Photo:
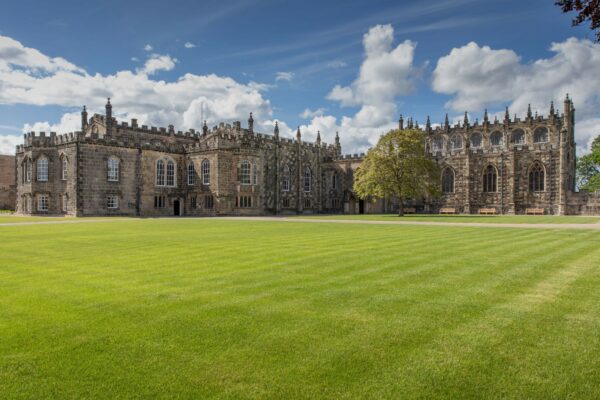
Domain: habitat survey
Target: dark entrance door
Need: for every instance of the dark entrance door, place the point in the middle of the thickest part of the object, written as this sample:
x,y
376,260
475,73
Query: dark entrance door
x,y
176,208
361,206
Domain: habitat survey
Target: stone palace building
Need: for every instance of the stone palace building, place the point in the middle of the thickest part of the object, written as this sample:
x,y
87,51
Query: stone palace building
x,y
120,168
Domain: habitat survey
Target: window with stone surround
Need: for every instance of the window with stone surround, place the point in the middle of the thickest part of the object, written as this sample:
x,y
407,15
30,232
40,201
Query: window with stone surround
x,y
191,175
42,169
490,179
244,202
160,173
245,170
456,142
112,202
208,202
65,202
206,172
65,168
42,203
518,136
254,174
285,181
437,144
113,169
193,202
307,179
476,140
496,138
448,180
170,173
29,167
540,135
286,202
536,177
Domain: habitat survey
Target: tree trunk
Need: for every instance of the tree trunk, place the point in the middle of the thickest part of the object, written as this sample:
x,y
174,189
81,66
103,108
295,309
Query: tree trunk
x,y
400,207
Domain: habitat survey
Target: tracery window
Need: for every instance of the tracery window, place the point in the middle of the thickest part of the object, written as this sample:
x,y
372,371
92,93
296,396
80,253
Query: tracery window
x,y
29,167
536,177
496,139
456,142
518,136
540,135
285,182
448,180
437,144
476,140
307,179
334,180
42,169
42,202
490,179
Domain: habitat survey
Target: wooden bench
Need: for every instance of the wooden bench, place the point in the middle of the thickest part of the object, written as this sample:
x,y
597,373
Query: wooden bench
x,y
447,210
487,211
534,211
410,210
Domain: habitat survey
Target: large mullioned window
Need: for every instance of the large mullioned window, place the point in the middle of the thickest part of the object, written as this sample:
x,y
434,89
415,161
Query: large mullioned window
x,y
160,173
496,139
307,179
285,181
540,135
113,169
65,169
170,173
490,179
206,172
456,142
245,170
448,180
536,178
42,169
476,140
191,175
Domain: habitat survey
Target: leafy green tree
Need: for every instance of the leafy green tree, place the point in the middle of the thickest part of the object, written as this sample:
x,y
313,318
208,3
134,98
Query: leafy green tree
x,y
588,168
398,167
586,10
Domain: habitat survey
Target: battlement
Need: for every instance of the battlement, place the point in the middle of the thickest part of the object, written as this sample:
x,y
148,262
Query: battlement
x,y
354,156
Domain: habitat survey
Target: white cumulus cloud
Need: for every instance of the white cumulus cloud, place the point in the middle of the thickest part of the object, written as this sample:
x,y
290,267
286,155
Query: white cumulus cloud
x,y
148,48
479,76
308,113
189,45
158,62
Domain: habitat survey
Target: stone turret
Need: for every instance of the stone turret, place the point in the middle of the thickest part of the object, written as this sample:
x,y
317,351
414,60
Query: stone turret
x,y
446,123
428,124
109,118
84,119
506,117
276,130
298,135
251,124
486,119
204,128
401,123
338,146
466,120
318,141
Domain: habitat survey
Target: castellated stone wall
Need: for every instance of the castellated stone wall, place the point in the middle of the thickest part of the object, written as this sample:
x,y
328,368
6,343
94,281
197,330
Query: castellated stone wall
x,y
230,170
8,183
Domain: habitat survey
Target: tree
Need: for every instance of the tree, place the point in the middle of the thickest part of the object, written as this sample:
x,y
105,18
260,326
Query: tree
x,y
398,167
588,168
586,9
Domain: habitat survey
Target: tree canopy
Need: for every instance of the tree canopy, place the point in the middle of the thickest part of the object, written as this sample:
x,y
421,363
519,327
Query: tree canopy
x,y
398,167
586,10
588,168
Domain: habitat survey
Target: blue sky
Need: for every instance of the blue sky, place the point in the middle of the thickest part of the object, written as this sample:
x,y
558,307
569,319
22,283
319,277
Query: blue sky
x,y
312,46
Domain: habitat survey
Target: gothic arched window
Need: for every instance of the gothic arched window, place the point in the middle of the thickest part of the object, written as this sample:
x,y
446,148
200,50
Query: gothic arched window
x,y
307,179
254,174
285,182
65,169
437,144
540,135
457,142
160,173
448,180
496,138
536,177
518,136
206,172
42,169
476,140
490,179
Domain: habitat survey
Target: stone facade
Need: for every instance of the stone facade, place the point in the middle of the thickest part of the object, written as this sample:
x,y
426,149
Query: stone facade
x,y
112,168
8,183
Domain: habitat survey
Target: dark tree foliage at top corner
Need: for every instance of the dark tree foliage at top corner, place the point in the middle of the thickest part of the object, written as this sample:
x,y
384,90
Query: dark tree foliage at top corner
x,y
587,10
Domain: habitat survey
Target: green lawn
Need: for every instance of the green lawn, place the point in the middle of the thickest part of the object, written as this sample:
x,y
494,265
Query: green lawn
x,y
208,308
499,219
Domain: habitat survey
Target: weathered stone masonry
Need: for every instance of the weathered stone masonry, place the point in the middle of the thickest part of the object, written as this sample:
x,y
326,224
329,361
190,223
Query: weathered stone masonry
x,y
112,168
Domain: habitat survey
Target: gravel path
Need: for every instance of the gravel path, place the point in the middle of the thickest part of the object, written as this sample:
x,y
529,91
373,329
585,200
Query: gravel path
x,y
595,226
